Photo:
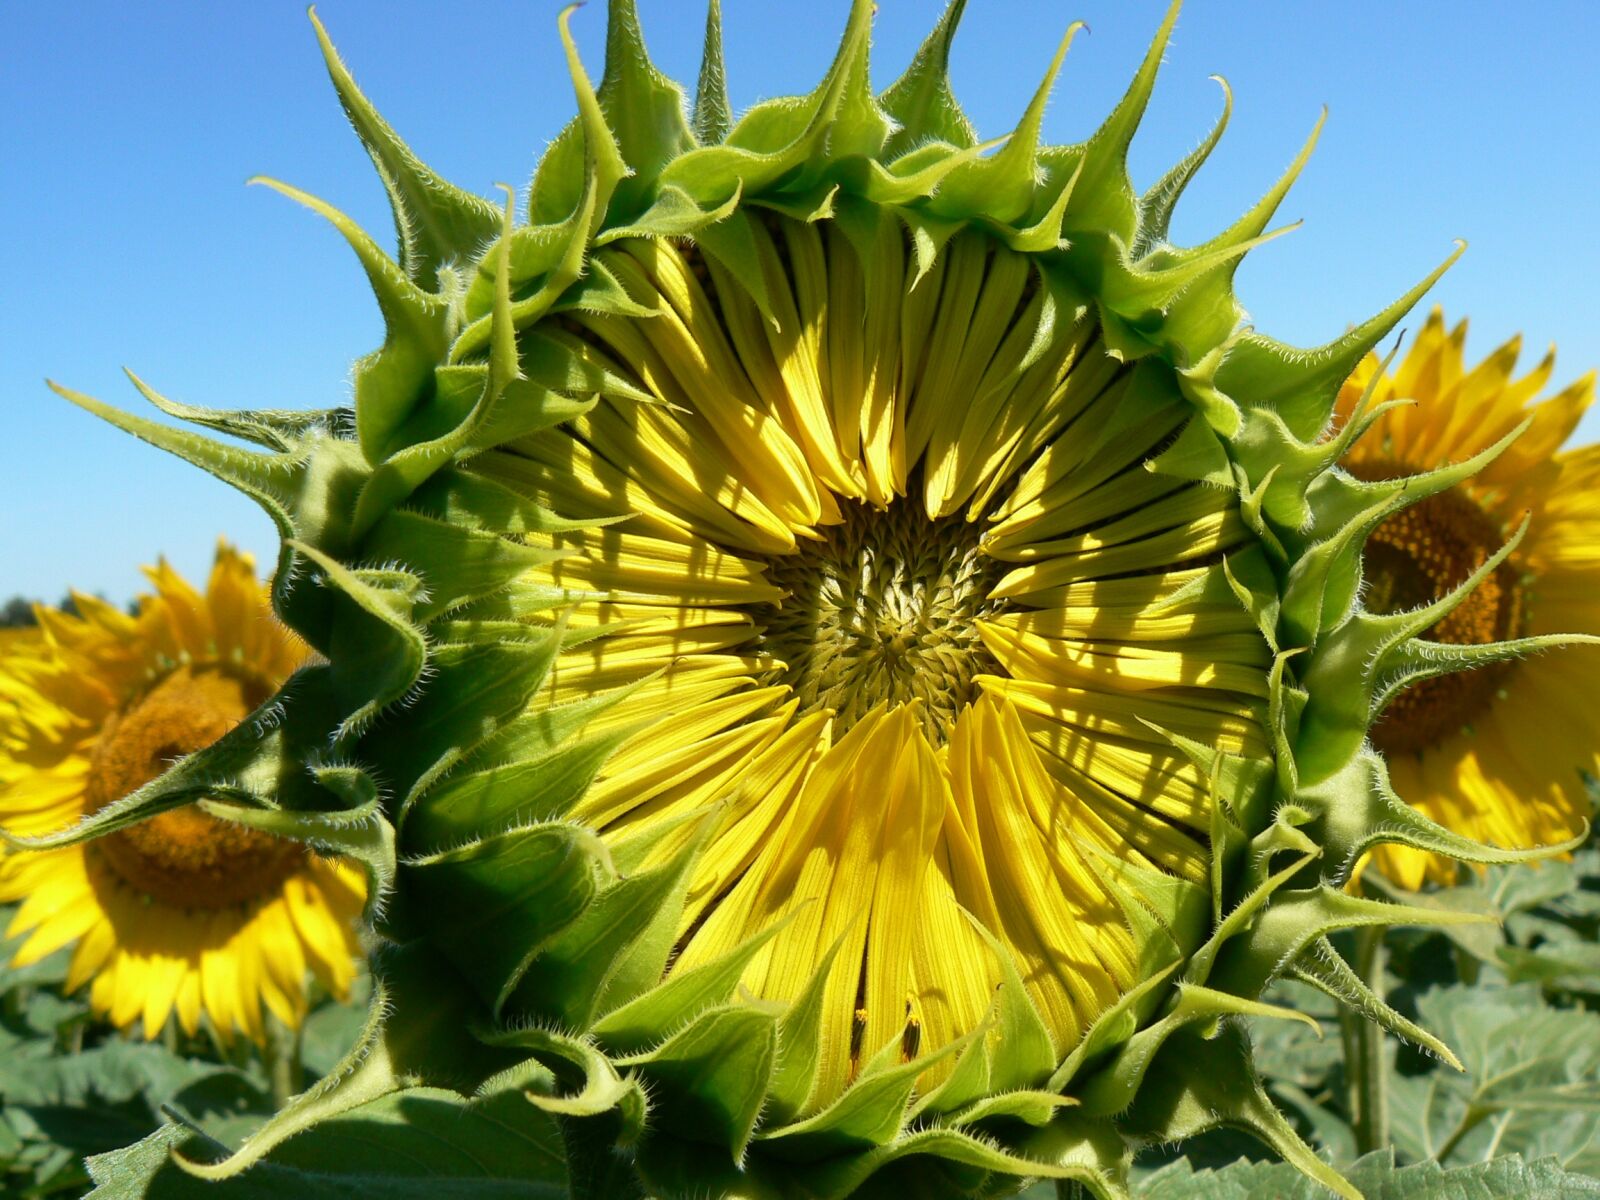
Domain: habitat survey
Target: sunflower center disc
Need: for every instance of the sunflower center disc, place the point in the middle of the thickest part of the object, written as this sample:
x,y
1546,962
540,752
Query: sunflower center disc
x,y
1415,557
883,609
185,857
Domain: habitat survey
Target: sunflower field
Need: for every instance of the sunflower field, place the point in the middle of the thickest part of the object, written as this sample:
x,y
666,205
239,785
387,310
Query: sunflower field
x,y
824,656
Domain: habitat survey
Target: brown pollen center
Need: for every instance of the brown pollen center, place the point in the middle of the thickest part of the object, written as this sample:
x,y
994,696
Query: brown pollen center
x,y
1412,559
184,857
883,609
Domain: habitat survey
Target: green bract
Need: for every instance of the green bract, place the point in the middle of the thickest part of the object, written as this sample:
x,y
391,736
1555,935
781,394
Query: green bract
x,y
528,965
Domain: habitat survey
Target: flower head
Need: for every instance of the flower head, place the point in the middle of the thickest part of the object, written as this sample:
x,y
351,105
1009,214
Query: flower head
x,y
924,650
185,913
1500,754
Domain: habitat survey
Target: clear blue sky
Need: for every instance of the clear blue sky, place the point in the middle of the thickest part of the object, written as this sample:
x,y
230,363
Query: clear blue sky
x,y
127,131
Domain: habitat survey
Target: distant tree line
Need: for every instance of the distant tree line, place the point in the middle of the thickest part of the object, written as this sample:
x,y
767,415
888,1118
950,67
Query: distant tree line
x,y
18,610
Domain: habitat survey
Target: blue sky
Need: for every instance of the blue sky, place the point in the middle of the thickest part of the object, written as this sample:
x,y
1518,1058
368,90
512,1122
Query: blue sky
x,y
127,132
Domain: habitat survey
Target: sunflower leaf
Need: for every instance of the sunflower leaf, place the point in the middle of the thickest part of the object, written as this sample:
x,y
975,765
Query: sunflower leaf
x,y
455,565
717,1069
711,113
422,1143
921,100
541,787
1531,1086
437,222
686,994
1378,1178
492,904
474,692
416,1028
642,106
615,949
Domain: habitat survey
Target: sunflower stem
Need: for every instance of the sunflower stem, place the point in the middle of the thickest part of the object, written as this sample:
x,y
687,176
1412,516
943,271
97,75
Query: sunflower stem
x,y
593,1166
220,1048
1470,1120
282,1053
1366,1073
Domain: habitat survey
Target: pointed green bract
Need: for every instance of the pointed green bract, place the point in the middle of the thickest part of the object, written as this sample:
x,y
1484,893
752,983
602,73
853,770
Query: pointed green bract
x,y
531,962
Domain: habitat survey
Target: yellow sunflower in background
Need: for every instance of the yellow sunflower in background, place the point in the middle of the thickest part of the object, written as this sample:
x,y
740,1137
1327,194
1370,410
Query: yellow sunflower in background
x,y
183,913
1500,754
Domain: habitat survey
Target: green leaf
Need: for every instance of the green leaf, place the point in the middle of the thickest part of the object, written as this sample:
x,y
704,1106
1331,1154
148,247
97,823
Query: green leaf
x,y
779,140
869,1113
417,1028
437,222
474,693
716,1070
1483,941
275,428
228,1105
1156,205
539,788
377,653
711,114
1304,1071
1021,1054
422,1143
455,565
1377,1178
1103,198
1532,1081
103,1093
800,1043
1569,968
1002,187
684,996
599,1089
921,100
1522,889
397,379
491,905
643,108
1552,917
265,478
617,949
1198,1083
472,501
333,1029
1301,385
359,832
946,1149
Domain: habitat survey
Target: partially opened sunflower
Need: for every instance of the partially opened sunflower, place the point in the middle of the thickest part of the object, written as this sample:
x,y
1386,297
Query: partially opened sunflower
x,y
1503,754
183,914
843,660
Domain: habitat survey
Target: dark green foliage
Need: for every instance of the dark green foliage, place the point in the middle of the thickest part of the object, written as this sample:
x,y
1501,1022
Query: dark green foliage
x,y
16,613
71,1087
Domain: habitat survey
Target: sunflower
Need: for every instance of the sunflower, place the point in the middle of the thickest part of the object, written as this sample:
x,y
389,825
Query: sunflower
x,y
924,653
844,661
1500,754
184,913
